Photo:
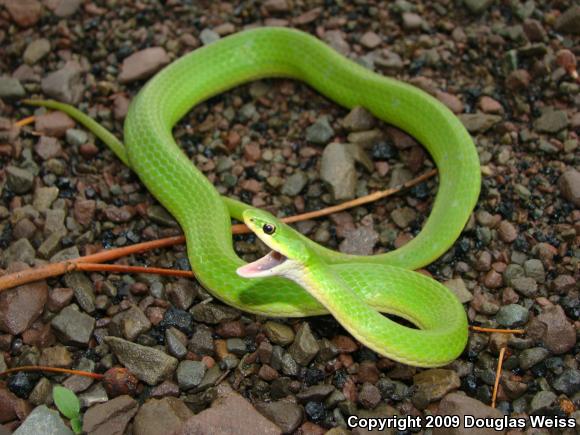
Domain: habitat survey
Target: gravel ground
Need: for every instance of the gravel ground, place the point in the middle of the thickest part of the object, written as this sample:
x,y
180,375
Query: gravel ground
x,y
505,68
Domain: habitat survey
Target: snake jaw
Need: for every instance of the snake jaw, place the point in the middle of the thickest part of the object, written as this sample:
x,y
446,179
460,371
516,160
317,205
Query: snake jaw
x,y
266,266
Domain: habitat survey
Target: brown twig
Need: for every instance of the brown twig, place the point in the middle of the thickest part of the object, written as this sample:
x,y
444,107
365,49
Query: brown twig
x,y
243,229
56,269
113,254
25,121
497,376
97,267
52,370
501,331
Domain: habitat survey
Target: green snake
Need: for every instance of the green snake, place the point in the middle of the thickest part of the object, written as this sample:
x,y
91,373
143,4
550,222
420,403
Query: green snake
x,y
353,288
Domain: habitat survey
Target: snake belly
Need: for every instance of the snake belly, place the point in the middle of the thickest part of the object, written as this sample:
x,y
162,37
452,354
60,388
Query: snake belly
x,y
386,282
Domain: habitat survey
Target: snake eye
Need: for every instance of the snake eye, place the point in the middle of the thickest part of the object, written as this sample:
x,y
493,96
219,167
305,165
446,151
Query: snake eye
x,y
269,229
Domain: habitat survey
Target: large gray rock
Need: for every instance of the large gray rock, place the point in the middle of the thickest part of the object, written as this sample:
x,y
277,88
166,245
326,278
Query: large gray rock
x,y
305,347
11,88
337,168
83,289
43,421
551,121
190,374
320,132
287,415
73,327
19,180
146,363
130,323
20,251
64,84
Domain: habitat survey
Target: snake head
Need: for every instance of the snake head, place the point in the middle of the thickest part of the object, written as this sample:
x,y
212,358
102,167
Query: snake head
x,y
288,254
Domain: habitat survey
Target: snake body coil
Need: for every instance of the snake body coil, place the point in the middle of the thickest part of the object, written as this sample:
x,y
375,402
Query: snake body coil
x,y
205,217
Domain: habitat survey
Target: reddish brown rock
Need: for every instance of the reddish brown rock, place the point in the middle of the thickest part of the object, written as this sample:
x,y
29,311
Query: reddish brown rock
x,y
307,17
563,283
143,64
489,105
518,80
160,416
229,415
84,211
309,428
63,8
276,6
53,124
368,372
483,263
553,328
268,373
492,280
58,298
344,344
370,40
11,407
369,396
507,232
165,389
88,150
399,138
48,147
22,305
25,13
451,101
231,329
252,151
110,418
40,335
120,106
120,214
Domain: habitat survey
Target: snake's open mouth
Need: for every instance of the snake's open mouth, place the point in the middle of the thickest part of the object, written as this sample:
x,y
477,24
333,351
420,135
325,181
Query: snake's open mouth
x,y
263,266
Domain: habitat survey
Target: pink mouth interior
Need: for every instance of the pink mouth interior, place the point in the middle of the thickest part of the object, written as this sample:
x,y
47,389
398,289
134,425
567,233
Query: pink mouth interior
x,y
258,267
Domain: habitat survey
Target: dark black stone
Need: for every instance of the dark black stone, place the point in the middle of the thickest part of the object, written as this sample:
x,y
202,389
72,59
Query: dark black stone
x,y
340,378
383,150
313,376
22,383
469,384
179,319
315,411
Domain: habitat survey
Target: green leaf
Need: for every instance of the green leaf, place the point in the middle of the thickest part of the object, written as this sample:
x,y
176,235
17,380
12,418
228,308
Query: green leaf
x,y
66,401
76,425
